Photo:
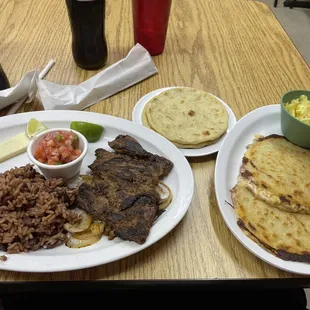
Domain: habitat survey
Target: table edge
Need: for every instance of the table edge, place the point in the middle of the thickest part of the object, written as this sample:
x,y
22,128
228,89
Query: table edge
x,y
13,287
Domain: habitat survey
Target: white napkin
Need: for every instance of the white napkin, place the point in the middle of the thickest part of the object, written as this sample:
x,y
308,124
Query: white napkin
x,y
27,86
135,67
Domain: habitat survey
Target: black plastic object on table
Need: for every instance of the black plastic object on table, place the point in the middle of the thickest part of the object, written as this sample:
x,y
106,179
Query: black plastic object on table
x,y
87,22
4,82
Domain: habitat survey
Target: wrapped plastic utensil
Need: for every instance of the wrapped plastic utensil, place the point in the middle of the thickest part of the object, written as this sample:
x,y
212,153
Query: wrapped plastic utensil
x,y
26,87
135,67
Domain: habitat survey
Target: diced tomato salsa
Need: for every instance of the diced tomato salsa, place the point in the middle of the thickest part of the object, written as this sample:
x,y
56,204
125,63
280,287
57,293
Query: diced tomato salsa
x,y
58,148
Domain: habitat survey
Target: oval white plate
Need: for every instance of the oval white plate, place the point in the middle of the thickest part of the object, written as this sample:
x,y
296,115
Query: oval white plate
x,y
63,258
264,121
207,150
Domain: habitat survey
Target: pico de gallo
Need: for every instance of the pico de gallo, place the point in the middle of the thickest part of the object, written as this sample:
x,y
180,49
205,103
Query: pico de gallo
x,y
58,148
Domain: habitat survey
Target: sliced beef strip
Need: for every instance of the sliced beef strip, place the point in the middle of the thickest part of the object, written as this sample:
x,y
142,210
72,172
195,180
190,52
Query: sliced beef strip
x,y
123,169
130,221
92,202
135,222
129,146
123,192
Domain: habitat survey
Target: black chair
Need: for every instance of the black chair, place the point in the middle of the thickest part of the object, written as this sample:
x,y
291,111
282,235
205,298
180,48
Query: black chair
x,y
296,4
275,3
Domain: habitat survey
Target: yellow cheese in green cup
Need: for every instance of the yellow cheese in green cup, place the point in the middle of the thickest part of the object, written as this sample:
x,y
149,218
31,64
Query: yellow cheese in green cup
x,y
299,108
294,125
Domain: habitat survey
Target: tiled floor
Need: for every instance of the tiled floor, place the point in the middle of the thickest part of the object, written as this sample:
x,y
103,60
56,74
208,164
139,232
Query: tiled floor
x,y
296,22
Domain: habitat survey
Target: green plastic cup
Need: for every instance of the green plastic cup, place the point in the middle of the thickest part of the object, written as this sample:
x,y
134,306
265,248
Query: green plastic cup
x,y
292,128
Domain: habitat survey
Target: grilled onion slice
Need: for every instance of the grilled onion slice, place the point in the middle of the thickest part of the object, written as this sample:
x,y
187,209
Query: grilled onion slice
x,y
97,228
84,224
73,242
83,239
165,194
88,237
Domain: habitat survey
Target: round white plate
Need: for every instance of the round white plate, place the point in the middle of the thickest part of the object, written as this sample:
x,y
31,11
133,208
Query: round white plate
x,y
207,150
264,121
63,258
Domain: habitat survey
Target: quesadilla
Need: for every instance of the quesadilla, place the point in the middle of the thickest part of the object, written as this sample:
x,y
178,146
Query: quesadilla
x,y
277,172
282,233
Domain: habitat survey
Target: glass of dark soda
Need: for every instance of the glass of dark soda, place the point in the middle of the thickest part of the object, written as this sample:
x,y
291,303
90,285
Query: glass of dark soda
x,y
87,22
150,22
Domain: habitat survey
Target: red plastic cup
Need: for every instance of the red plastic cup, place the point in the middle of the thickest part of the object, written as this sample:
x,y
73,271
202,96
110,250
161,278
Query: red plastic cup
x,y
150,21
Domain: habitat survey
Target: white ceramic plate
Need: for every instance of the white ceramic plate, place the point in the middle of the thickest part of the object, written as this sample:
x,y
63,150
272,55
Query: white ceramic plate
x,y
63,258
264,121
207,150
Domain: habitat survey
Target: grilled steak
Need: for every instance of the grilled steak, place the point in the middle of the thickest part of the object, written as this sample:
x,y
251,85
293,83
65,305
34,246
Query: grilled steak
x,y
122,189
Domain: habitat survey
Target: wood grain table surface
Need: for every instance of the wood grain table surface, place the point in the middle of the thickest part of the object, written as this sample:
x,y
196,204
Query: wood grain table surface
x,y
235,49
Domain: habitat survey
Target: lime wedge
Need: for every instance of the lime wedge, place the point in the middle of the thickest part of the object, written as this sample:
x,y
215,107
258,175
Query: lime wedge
x,y
92,132
34,127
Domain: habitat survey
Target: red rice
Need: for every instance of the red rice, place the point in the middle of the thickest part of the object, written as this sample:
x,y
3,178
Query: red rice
x,y
33,210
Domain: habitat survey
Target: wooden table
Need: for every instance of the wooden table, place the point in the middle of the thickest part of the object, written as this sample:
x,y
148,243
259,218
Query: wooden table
x,y
235,49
